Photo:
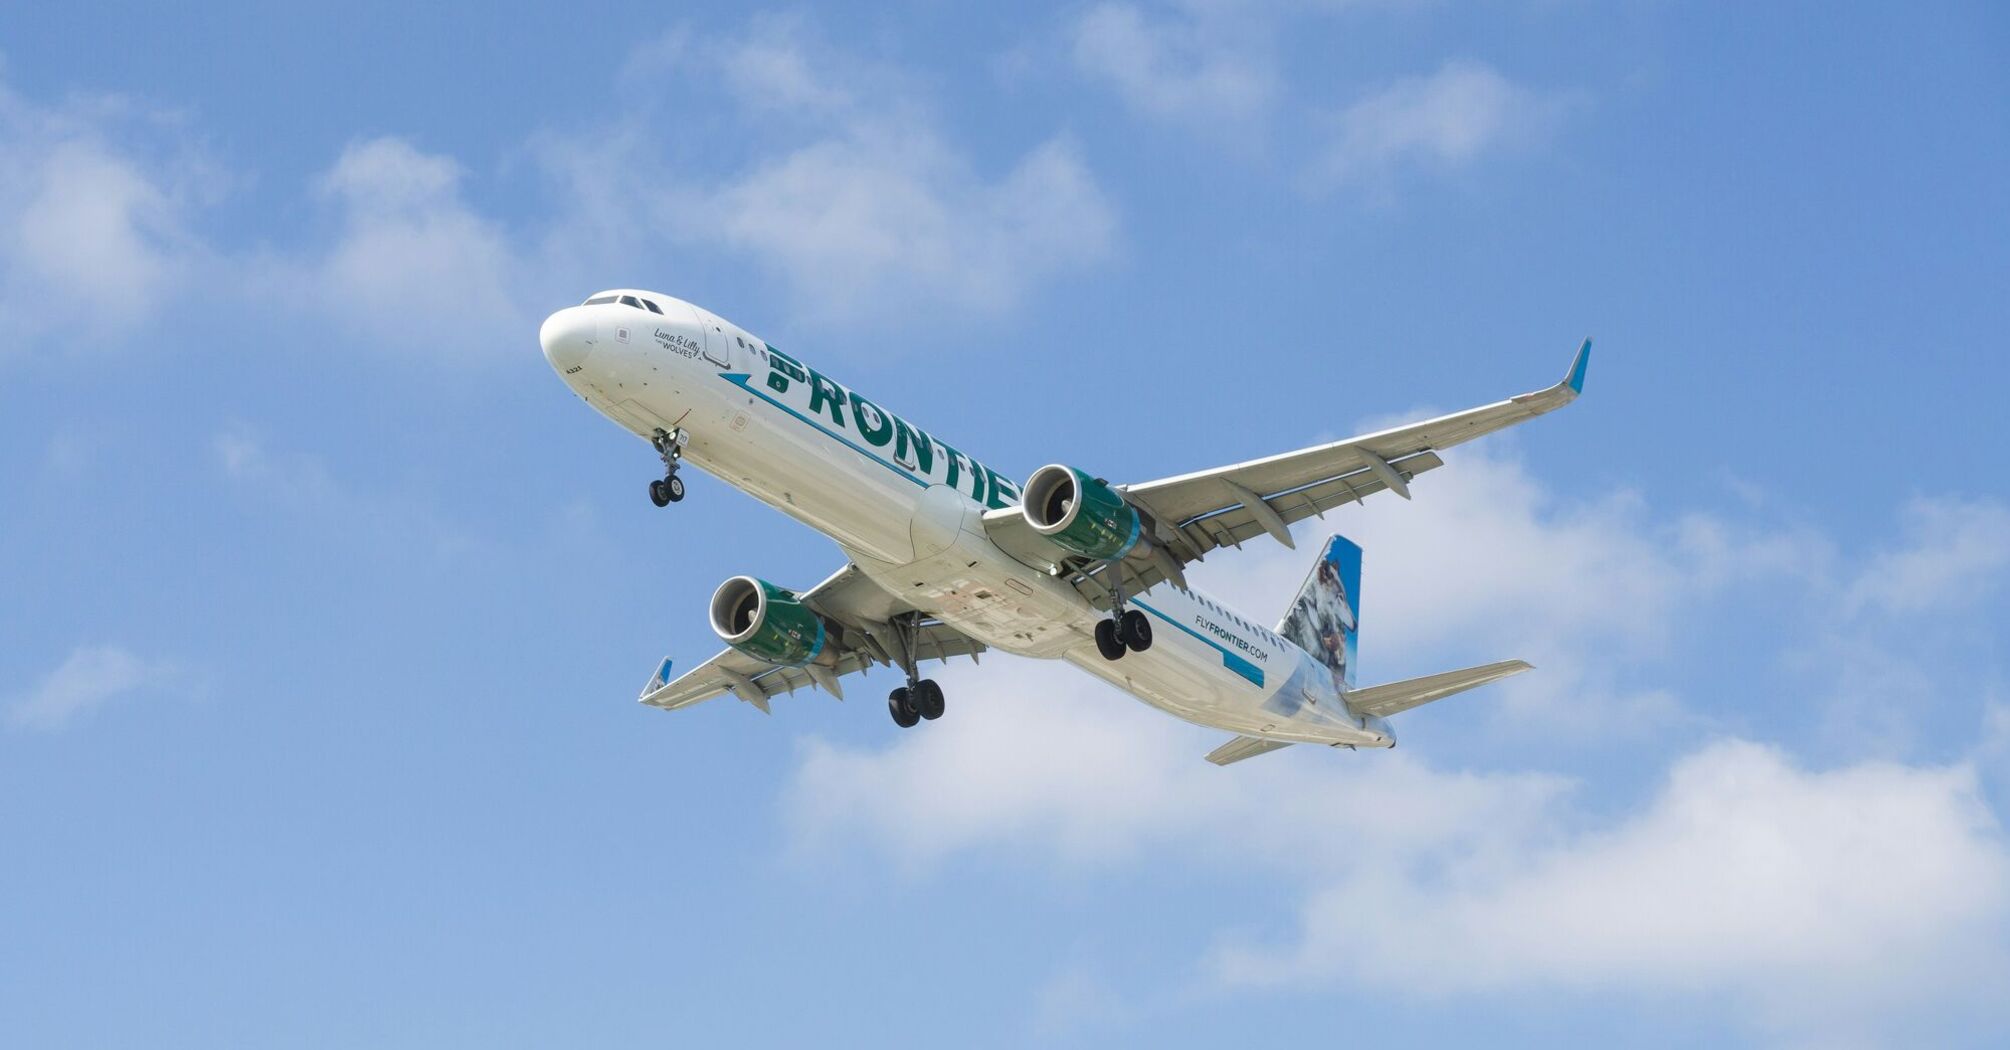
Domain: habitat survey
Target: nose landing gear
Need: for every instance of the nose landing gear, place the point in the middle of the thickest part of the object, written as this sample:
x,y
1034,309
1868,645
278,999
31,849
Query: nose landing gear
x,y
665,491
669,488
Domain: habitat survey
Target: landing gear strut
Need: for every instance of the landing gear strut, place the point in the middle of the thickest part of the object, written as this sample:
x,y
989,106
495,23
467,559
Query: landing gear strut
x,y
669,445
920,698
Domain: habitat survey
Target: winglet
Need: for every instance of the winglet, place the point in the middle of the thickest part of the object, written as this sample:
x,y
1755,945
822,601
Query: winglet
x,y
657,681
1575,380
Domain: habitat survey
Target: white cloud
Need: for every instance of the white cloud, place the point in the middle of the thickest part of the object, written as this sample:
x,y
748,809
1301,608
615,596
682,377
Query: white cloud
x,y
1992,750
1214,73
1075,999
854,197
97,201
1486,564
1790,894
93,214
1214,67
1038,760
301,485
893,216
241,454
1956,551
1886,628
91,676
413,263
1440,121
770,69
1807,896
1804,900
851,194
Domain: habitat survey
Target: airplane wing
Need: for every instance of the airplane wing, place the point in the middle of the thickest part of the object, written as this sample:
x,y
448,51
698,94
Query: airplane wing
x,y
1193,514
865,616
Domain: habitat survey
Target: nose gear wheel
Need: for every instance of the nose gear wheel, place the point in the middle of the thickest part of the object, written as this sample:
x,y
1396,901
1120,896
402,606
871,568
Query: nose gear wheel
x,y
669,447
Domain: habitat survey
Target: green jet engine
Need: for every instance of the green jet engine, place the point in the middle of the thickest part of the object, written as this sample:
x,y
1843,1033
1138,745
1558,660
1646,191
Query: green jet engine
x,y
1080,514
767,622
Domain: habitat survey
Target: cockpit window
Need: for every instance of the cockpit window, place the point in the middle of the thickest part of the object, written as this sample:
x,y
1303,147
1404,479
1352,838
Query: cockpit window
x,y
626,300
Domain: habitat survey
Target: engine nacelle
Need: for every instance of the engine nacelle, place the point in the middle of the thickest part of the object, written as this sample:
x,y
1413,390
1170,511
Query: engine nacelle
x,y
1080,514
767,622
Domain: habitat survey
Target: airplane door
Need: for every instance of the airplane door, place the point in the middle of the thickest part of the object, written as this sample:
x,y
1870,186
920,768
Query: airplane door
x,y
718,341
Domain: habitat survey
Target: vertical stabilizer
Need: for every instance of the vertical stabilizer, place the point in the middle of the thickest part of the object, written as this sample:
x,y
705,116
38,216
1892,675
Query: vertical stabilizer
x,y
1325,617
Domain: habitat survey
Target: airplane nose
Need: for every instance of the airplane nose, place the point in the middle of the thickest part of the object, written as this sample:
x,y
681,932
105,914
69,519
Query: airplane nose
x,y
568,337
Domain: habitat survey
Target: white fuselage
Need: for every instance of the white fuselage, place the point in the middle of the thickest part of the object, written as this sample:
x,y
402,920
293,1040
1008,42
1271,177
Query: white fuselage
x,y
907,508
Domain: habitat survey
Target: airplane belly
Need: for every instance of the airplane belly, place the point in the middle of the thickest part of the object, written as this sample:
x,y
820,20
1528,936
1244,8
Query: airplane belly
x,y
1170,676
829,487
1182,681
963,579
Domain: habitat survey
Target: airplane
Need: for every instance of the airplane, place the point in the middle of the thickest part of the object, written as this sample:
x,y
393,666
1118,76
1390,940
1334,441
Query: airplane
x,y
947,558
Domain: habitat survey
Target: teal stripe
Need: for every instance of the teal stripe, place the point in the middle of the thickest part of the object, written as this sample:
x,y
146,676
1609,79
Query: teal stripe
x,y
1242,667
1228,659
739,379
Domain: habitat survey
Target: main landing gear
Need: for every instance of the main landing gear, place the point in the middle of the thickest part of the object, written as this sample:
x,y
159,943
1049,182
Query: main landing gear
x,y
1126,631
920,698
910,704
669,488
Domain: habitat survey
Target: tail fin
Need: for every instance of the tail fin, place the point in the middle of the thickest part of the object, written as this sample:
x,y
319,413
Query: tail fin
x,y
1325,617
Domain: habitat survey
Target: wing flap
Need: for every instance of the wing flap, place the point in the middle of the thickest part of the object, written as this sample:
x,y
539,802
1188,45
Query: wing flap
x,y
1342,471
1385,700
1230,525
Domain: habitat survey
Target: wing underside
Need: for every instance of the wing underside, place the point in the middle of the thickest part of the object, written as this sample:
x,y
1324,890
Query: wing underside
x,y
1194,514
870,628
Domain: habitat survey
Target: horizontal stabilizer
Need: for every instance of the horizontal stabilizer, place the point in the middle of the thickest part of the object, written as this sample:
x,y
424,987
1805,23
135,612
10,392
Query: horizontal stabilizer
x,y
1244,747
1385,700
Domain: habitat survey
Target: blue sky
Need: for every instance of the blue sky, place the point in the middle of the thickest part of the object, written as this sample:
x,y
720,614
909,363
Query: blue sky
x,y
325,604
